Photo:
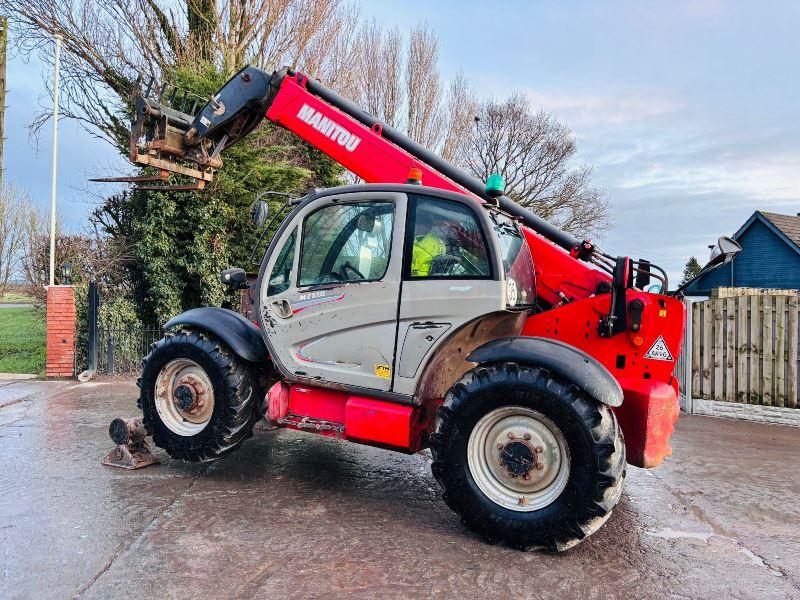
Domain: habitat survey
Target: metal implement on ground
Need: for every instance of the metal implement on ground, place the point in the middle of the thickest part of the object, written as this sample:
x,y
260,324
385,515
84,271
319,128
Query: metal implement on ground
x,y
421,309
132,451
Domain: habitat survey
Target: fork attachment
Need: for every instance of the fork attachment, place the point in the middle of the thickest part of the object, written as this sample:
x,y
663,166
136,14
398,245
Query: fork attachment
x,y
167,138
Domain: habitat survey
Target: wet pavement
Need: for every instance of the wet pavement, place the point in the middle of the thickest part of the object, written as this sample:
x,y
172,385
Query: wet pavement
x,y
300,516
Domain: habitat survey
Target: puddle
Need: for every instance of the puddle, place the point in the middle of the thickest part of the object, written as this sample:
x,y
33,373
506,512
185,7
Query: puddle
x,y
759,562
677,534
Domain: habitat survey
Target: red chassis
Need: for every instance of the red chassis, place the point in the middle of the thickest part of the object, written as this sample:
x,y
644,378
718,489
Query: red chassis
x,y
650,409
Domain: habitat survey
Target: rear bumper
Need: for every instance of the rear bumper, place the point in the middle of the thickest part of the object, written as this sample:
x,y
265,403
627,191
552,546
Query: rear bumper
x,y
647,417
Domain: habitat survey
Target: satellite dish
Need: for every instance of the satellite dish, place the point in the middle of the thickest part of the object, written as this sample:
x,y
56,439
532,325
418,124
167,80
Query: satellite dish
x,y
724,251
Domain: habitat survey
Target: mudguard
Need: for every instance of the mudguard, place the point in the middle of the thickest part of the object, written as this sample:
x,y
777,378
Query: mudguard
x,y
562,359
243,337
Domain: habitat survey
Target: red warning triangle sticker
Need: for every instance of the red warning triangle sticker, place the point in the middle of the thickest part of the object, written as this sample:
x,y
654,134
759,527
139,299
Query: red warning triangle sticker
x,y
659,351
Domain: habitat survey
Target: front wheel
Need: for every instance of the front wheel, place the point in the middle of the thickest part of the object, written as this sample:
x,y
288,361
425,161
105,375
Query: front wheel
x,y
197,397
526,458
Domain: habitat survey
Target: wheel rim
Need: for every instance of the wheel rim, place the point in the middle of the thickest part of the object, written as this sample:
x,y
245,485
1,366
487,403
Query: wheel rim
x,y
518,458
184,397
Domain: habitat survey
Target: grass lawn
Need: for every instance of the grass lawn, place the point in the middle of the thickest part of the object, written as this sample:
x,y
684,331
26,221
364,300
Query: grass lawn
x,y
22,340
16,298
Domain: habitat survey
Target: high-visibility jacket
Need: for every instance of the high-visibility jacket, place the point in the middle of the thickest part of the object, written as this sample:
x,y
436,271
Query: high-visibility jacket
x,y
426,248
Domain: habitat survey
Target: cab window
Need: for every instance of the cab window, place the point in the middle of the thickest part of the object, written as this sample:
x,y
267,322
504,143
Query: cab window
x,y
346,243
281,274
446,242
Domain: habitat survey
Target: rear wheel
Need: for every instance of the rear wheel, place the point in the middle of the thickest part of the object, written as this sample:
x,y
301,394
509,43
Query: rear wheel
x,y
526,458
197,396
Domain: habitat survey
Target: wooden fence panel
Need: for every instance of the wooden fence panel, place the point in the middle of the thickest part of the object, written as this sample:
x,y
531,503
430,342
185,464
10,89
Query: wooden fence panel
x,y
707,358
730,349
754,392
780,350
694,388
742,357
718,356
767,352
746,349
793,345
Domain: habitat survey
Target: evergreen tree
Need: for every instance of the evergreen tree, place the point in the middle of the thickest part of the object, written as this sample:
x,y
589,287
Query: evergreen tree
x,y
176,243
691,270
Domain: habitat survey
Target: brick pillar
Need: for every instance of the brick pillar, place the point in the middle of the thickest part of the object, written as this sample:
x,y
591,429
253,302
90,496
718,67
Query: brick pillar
x,y
60,331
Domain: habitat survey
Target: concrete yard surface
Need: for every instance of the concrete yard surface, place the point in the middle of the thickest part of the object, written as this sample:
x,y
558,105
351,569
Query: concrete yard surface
x,y
293,515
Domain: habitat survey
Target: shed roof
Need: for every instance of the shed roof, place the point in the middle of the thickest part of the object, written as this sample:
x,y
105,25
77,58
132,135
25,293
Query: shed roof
x,y
789,225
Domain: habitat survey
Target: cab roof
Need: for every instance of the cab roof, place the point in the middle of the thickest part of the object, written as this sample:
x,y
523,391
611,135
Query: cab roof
x,y
404,188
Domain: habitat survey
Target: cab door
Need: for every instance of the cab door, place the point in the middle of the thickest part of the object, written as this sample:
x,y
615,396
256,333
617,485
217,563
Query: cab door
x,y
452,275
330,302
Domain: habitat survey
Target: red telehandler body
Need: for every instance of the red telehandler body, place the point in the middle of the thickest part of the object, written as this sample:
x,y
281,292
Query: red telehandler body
x,y
519,354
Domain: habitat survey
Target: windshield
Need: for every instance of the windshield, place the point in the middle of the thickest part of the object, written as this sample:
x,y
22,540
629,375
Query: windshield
x,y
517,262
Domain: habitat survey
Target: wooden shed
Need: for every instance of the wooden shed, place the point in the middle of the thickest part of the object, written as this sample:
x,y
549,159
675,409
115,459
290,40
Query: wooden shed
x,y
770,257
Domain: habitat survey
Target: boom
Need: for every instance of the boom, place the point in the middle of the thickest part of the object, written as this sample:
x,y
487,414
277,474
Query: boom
x,y
165,138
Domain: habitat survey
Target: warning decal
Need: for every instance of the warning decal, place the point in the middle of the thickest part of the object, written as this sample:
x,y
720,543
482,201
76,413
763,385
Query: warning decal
x,y
659,351
383,371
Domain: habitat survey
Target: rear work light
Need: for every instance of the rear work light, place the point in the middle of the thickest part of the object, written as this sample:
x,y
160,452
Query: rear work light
x,y
414,176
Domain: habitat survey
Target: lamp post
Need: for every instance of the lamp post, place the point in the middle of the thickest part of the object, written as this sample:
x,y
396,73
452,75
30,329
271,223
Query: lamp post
x,y
66,273
58,39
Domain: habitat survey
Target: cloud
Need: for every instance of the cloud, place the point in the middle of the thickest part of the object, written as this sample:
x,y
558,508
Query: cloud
x,y
774,178
678,174
592,110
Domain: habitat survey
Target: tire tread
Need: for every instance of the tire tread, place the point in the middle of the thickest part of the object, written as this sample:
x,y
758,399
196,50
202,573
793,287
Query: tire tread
x,y
606,440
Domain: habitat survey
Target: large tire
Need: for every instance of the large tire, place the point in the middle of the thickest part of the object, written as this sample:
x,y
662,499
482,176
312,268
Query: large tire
x,y
586,484
224,419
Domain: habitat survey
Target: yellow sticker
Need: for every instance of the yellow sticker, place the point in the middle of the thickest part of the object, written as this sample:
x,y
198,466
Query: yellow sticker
x,y
662,313
383,371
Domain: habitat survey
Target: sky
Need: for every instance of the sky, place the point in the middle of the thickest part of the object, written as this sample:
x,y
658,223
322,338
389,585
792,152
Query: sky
x,y
688,112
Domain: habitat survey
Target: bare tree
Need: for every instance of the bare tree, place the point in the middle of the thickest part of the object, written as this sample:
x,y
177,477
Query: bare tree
x,y
534,153
398,81
461,107
15,206
424,97
34,256
108,44
379,72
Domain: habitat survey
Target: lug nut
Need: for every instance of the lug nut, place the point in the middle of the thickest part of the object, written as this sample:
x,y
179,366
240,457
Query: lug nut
x,y
527,437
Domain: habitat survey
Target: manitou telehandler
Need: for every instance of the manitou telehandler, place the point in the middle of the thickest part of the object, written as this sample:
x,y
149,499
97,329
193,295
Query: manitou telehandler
x,y
422,309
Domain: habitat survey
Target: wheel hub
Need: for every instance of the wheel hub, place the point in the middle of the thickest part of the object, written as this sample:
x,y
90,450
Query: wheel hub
x,y
518,458
184,396
191,394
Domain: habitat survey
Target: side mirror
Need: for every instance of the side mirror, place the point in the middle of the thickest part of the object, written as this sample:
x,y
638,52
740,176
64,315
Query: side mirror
x,y
236,279
260,212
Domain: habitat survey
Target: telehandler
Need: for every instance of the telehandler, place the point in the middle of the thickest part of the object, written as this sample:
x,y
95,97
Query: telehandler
x,y
421,309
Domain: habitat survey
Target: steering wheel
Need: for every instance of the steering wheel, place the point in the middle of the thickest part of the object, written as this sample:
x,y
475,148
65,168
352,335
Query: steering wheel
x,y
329,277
348,267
